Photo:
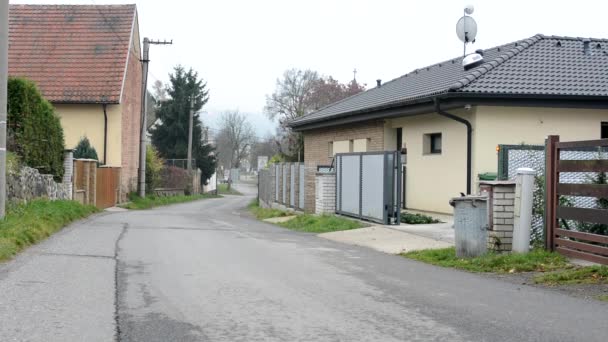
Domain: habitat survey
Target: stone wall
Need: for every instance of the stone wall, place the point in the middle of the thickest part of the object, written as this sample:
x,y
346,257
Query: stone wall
x,y
501,207
28,184
325,196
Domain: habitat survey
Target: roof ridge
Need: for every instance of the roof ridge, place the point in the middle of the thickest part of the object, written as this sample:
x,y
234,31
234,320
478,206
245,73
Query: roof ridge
x,y
494,63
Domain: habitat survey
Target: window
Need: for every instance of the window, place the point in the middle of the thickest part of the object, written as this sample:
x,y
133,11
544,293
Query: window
x,y
360,145
604,130
330,149
432,143
351,146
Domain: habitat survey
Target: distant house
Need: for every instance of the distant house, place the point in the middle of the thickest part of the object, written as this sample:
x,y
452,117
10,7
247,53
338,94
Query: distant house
x,y
522,92
86,61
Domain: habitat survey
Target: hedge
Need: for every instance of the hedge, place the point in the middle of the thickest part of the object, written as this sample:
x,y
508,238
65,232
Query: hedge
x,y
34,131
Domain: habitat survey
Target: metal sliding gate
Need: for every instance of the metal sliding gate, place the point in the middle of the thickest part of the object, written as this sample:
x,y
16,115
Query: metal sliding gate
x,y
368,186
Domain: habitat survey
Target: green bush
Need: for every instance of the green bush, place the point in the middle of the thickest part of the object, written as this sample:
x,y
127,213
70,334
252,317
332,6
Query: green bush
x,y
154,167
34,131
84,150
13,163
410,218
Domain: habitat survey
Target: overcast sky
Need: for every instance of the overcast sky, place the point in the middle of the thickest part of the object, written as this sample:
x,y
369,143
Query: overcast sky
x,y
241,47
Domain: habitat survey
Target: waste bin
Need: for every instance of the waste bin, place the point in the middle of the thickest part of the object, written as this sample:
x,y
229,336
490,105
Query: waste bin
x,y
488,176
470,225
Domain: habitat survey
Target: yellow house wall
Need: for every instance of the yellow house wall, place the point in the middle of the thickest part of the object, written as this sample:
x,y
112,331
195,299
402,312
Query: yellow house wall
x,y
87,120
432,179
516,125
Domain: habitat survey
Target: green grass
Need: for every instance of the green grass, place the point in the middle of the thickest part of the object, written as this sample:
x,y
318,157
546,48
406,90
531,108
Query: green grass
x,y
264,213
411,218
537,260
27,224
579,275
320,224
223,190
138,203
603,298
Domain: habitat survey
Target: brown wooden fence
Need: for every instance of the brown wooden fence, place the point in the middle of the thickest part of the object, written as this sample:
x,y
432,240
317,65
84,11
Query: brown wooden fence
x,y
108,187
559,237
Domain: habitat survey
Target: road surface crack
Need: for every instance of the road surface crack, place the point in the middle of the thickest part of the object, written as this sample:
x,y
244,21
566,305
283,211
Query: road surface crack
x,y
117,336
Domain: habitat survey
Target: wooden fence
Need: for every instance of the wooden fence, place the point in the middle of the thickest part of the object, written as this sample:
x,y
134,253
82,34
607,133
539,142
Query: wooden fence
x,y
559,236
108,187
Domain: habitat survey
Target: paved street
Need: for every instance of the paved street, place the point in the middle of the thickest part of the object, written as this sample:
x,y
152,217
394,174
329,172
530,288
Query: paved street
x,y
205,271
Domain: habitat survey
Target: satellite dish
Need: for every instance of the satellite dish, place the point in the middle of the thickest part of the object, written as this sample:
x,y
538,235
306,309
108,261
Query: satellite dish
x,y
466,29
469,9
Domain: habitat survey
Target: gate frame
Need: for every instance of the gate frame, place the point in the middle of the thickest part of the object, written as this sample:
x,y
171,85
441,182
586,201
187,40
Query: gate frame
x,y
554,234
391,216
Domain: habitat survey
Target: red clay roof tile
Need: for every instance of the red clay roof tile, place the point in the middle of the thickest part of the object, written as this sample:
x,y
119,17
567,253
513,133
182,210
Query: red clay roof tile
x,y
76,54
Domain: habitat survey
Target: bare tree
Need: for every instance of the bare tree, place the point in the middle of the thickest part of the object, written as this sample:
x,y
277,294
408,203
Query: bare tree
x,y
266,146
234,139
298,93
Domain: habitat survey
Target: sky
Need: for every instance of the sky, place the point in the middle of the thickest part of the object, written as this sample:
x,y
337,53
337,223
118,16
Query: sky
x,y
241,47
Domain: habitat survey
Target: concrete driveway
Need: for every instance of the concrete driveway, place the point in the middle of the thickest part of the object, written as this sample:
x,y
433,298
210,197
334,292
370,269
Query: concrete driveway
x,y
206,271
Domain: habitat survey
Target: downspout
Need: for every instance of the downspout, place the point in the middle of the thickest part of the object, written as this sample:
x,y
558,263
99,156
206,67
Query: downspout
x,y
105,134
469,139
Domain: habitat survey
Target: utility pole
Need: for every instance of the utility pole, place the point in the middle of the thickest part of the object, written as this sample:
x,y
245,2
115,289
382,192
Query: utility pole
x,y
141,177
190,133
3,100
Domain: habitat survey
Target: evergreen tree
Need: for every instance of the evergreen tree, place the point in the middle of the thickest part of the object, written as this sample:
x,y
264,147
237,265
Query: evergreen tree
x,y
84,150
170,137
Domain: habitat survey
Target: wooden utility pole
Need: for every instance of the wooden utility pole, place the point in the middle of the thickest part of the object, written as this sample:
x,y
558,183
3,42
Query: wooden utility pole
x,y
3,100
190,133
141,176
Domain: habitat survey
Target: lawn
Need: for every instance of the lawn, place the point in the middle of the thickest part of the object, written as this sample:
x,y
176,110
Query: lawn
x,y
222,189
537,260
306,222
27,224
138,203
579,275
265,213
321,224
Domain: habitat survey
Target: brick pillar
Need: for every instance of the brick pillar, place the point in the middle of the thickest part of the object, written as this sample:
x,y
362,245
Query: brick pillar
x,y
288,183
325,197
501,207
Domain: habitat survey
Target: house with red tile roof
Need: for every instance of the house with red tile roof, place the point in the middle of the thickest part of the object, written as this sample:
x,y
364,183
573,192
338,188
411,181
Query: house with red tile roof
x,y
86,62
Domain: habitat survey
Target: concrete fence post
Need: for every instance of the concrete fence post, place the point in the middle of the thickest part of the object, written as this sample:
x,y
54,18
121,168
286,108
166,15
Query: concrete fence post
x,y
524,195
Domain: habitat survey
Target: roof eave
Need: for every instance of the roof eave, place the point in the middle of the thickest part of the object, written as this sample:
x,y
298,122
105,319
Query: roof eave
x,y
454,100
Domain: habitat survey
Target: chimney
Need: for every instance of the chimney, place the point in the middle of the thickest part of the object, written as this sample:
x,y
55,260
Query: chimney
x,y
586,43
379,83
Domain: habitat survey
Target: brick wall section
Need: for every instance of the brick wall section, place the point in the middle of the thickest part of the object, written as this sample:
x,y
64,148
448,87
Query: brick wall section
x,y
501,202
316,149
325,197
131,118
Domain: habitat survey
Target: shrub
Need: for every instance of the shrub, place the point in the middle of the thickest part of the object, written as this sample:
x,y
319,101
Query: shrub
x,y
410,218
34,131
154,167
84,150
175,178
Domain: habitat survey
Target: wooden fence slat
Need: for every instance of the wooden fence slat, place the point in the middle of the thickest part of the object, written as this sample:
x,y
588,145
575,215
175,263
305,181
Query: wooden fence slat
x,y
582,255
584,143
595,165
583,214
588,190
582,236
583,247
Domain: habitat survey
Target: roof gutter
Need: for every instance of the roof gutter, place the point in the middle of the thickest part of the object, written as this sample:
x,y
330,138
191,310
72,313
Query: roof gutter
x,y
469,139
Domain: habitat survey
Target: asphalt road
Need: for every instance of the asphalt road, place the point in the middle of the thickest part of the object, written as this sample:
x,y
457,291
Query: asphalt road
x,y
206,271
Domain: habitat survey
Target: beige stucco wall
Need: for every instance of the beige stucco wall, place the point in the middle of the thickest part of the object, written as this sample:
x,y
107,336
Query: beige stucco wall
x,y
432,179
516,125
79,120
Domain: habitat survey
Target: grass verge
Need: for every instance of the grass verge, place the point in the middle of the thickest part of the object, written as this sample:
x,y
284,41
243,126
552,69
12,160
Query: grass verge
x,y
138,203
603,298
537,260
580,275
320,224
222,189
264,213
27,224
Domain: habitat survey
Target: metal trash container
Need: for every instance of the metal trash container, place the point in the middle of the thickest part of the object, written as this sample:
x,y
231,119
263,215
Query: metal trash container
x,y
470,225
